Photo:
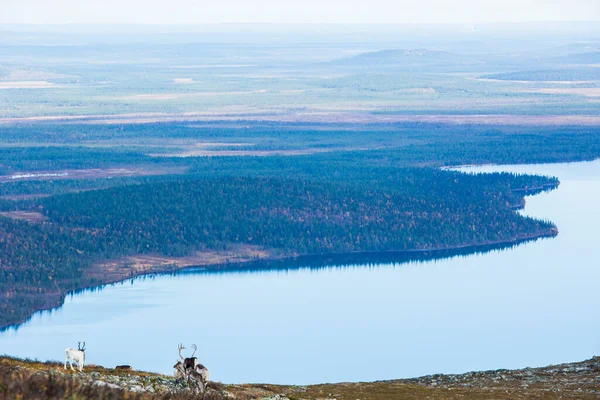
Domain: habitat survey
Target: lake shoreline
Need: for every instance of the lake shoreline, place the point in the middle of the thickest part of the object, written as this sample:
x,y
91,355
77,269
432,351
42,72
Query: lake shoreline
x,y
276,261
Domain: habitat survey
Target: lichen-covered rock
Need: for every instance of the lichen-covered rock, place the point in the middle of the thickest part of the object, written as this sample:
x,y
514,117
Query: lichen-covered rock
x,y
276,397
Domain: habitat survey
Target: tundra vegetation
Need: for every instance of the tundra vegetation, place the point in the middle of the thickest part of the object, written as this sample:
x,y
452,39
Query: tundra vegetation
x,y
28,379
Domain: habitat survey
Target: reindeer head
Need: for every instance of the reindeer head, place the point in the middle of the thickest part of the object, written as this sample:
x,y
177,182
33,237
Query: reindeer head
x,y
80,347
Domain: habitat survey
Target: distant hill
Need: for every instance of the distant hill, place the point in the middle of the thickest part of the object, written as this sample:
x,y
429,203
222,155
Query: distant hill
x,y
405,57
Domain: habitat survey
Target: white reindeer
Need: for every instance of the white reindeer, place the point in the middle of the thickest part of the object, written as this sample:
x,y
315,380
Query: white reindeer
x,y
77,355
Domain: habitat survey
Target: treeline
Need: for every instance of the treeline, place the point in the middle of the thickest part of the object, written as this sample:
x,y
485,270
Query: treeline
x,y
38,264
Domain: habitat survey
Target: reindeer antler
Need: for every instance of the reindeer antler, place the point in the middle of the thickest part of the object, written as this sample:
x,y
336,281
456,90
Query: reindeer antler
x,y
83,347
181,348
195,348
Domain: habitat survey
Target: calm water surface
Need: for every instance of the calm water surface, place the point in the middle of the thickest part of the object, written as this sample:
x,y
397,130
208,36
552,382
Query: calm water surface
x,y
532,305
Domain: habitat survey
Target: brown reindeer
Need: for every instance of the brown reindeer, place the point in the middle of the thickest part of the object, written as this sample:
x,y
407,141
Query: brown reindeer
x,y
190,362
189,368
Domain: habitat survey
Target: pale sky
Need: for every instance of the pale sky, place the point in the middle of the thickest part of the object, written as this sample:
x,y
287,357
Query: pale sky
x,y
297,11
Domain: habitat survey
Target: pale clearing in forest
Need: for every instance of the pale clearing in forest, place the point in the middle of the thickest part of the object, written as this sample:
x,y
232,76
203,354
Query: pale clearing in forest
x,y
29,216
324,117
214,66
293,91
17,197
118,269
36,75
183,80
28,85
89,173
233,153
172,96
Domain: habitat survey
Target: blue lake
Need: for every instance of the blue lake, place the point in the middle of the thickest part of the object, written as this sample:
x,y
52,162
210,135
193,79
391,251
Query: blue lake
x,y
531,305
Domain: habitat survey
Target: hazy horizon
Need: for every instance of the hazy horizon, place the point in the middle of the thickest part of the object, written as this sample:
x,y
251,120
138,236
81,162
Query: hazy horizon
x,y
411,35
184,12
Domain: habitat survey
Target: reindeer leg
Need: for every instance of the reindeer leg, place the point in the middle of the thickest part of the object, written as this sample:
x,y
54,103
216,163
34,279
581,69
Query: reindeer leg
x,y
71,364
66,358
203,387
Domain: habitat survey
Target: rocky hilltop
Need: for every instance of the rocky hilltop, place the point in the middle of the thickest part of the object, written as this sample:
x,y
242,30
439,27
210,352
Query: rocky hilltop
x,y
26,379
